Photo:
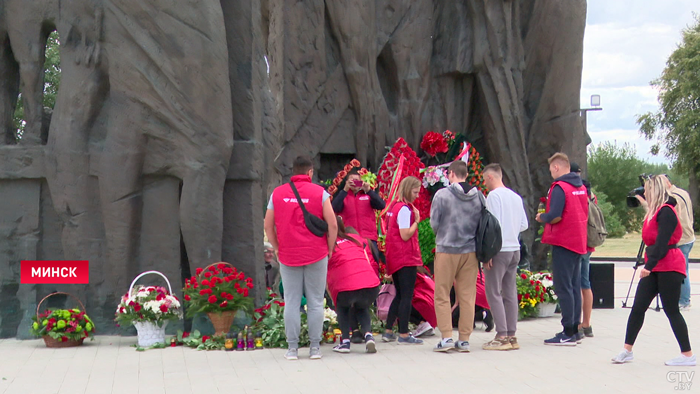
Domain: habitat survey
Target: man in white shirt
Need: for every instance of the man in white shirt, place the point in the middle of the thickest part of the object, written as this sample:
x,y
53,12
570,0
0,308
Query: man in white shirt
x,y
501,290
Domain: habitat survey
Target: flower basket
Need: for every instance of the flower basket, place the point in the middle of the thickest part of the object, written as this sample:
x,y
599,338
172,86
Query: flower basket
x,y
149,333
221,321
62,328
546,309
149,309
219,290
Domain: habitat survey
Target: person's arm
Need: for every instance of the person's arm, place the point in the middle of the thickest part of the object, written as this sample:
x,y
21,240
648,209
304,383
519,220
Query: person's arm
x,y
435,213
556,206
407,233
270,229
375,201
329,217
667,221
338,201
523,221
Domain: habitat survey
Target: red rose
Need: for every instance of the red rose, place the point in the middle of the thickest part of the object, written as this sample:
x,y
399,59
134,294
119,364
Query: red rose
x,y
250,285
266,307
163,308
207,274
160,297
543,200
199,271
245,292
537,288
185,334
239,291
229,297
205,282
520,297
187,298
224,304
137,307
241,276
221,266
205,338
527,296
532,282
211,268
212,299
523,276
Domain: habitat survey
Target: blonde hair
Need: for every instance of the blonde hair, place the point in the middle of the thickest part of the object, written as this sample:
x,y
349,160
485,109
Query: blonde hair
x,y
405,187
656,193
560,158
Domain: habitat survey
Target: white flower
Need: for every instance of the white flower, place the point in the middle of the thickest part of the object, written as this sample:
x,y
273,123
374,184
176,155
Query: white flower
x,y
329,315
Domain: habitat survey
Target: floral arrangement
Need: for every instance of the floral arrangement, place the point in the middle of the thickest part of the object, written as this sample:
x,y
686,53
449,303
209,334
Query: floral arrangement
x,y
433,175
148,304
434,143
412,166
270,321
63,324
196,340
222,289
534,289
338,183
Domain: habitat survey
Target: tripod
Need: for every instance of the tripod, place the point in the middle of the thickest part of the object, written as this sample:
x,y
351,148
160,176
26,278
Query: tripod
x,y
638,262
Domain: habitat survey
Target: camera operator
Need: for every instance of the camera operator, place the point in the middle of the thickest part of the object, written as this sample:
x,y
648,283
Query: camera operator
x,y
663,272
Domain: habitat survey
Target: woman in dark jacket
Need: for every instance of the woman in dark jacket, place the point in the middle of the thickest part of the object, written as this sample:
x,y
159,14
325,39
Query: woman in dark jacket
x,y
663,272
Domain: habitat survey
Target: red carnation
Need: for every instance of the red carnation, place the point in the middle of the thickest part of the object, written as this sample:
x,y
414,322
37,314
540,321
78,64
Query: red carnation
x,y
241,276
532,282
205,338
137,307
229,297
523,276
221,266
207,274
205,292
224,304
527,296
163,308
520,297
239,291
245,292
212,299
185,334
199,271
211,268
250,285
187,298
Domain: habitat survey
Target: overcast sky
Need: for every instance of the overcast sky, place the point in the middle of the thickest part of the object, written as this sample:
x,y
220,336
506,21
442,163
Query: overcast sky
x,y
625,47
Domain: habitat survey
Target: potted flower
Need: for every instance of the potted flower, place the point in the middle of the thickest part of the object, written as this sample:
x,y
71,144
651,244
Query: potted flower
x,y
62,327
548,299
536,296
218,290
149,309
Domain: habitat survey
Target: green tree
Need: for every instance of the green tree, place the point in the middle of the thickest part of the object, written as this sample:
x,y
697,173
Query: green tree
x,y
613,223
52,80
676,125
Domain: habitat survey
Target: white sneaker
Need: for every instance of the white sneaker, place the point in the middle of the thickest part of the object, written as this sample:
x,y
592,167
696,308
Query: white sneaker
x,y
424,329
623,357
681,361
445,345
684,308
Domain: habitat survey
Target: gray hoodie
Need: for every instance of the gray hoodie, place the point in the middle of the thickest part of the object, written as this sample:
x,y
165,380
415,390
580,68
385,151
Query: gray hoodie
x,y
454,217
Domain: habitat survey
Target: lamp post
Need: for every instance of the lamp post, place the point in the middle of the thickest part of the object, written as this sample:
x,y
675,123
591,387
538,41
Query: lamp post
x,y
595,106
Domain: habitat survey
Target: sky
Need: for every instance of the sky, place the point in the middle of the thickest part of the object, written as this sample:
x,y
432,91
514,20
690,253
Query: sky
x,y
625,47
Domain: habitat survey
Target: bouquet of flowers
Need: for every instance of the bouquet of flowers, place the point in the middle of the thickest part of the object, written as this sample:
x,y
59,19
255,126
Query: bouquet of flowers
x,y
63,325
532,290
220,288
338,183
148,304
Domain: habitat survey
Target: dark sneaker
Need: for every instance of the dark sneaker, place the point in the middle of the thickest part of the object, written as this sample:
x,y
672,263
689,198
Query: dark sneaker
x,y
410,340
388,337
462,346
561,339
356,337
579,337
370,346
488,320
342,348
588,331
444,345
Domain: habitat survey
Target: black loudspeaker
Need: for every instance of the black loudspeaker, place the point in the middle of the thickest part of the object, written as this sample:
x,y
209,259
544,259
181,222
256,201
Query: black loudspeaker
x,y
602,276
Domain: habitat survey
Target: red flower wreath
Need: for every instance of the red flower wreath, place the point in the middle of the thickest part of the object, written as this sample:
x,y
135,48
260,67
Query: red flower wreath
x,y
340,176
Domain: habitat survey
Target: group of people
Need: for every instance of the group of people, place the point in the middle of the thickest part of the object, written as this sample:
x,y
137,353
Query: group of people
x,y
343,259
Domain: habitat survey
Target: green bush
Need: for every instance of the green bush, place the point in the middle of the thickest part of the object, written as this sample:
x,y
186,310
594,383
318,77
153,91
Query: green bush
x,y
613,223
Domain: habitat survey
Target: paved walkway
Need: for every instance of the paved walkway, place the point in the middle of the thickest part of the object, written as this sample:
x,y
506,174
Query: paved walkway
x,y
111,365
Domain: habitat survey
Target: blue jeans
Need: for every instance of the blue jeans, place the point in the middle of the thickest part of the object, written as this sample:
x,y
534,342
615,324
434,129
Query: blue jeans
x,y
586,271
685,287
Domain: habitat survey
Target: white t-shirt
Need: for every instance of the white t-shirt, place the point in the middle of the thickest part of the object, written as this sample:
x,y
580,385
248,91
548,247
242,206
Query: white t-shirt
x,y
404,219
507,206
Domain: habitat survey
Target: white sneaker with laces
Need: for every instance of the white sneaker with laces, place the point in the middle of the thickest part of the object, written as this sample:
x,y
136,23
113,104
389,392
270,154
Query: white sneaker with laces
x,y
682,361
623,357
424,329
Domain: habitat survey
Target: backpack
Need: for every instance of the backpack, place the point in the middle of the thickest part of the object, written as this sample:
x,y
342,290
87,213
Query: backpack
x,y
488,234
596,225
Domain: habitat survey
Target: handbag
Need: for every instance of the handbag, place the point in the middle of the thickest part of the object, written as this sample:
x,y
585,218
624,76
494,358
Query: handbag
x,y
386,296
316,225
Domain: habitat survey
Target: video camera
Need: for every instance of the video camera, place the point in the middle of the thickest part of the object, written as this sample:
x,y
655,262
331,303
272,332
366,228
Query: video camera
x,y
632,201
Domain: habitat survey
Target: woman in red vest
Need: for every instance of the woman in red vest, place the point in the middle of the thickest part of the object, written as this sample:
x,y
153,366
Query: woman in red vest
x,y
353,282
663,272
403,258
356,204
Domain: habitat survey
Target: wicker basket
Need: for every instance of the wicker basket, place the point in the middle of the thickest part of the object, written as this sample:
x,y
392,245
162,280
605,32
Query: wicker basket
x,y
57,343
149,333
221,321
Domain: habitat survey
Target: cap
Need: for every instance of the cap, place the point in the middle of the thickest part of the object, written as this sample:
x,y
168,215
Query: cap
x,y
575,167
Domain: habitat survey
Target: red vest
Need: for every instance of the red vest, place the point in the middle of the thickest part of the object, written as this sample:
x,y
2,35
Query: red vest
x,y
297,245
400,253
424,298
358,214
349,269
674,259
572,231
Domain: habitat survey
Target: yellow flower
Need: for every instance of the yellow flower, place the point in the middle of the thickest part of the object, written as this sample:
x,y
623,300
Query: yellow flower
x,y
533,302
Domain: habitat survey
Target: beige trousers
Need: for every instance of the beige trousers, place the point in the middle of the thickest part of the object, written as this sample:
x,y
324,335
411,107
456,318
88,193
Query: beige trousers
x,y
460,270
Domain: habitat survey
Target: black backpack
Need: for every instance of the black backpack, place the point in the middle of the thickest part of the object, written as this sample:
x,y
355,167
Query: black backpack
x,y
488,234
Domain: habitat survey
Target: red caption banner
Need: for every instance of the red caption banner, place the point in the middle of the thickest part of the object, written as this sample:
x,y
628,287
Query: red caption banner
x,y
55,272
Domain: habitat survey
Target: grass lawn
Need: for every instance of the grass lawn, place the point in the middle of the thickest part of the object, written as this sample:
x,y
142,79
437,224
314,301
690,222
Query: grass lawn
x,y
628,246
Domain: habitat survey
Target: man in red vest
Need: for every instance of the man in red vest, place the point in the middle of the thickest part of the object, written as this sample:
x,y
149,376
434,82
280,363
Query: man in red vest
x,y
303,256
566,221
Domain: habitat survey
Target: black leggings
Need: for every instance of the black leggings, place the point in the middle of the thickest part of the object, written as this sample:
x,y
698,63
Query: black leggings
x,y
359,301
404,281
668,286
